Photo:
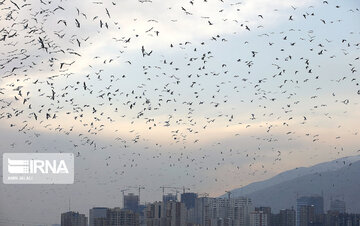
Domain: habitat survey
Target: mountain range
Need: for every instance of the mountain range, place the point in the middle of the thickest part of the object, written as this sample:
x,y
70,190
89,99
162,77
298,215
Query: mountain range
x,y
338,179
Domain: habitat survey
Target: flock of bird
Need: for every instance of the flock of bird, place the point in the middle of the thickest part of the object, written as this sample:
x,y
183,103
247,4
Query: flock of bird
x,y
82,74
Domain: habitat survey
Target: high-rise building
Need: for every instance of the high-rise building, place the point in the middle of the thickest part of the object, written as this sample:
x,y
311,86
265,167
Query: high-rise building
x,y
202,210
334,218
170,214
97,216
267,211
287,217
209,210
259,218
169,197
316,201
175,214
131,202
121,217
154,214
189,199
307,215
338,205
73,219
142,212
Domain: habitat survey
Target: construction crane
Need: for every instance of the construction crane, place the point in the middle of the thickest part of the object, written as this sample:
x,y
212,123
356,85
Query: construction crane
x,y
139,189
123,191
123,194
176,189
183,188
163,189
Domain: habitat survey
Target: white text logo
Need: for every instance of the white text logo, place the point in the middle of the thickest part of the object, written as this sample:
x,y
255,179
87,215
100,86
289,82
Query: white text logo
x,y
38,168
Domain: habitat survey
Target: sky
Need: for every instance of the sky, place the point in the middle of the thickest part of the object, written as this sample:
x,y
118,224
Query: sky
x,y
223,94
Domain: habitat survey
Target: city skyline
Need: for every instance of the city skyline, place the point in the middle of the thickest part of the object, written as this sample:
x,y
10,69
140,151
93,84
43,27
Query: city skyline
x,y
257,215
210,95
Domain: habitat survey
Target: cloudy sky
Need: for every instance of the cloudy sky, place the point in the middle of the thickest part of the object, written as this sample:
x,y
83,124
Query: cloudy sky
x,y
211,95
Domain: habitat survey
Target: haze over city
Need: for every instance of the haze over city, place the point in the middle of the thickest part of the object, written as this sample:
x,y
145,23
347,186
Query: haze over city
x,y
209,95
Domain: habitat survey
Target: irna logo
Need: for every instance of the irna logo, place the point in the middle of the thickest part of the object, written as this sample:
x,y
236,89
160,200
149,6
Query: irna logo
x,y
38,168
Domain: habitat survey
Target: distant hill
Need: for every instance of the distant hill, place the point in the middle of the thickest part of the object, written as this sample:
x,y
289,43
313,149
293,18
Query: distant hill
x,y
338,178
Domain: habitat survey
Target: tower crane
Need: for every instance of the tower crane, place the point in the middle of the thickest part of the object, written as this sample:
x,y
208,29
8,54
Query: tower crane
x,y
176,189
123,194
139,189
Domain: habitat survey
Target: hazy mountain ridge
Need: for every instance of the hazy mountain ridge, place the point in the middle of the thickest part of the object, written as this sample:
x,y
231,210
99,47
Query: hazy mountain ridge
x,y
337,178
